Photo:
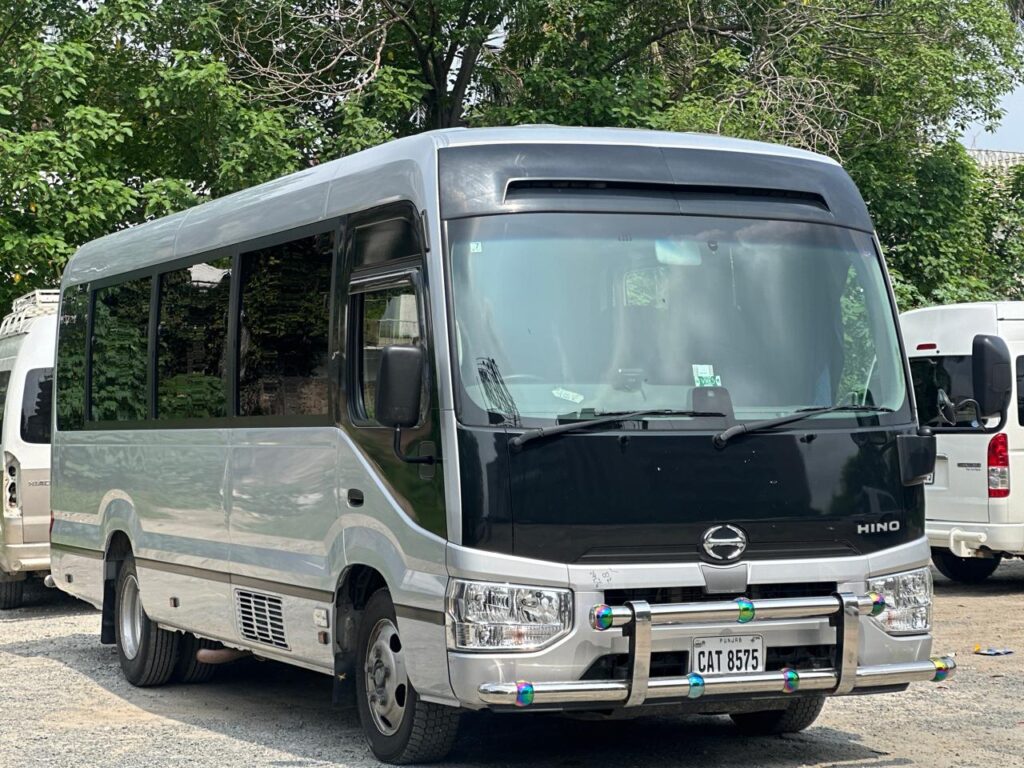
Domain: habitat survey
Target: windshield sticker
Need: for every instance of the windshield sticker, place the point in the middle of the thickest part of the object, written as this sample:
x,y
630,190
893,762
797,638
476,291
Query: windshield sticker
x,y
565,394
704,376
476,247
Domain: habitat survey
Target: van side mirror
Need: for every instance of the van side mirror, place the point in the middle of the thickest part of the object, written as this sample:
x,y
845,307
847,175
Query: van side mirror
x,y
397,399
992,378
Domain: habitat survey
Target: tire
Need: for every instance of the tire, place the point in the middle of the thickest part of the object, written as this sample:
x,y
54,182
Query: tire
x,y
966,570
148,654
189,669
797,716
11,594
418,732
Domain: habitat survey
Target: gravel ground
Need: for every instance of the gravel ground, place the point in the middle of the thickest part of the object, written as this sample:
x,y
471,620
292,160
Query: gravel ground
x,y
63,702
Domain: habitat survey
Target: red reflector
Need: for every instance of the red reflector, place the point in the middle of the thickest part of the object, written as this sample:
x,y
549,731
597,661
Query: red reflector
x,y
998,467
929,345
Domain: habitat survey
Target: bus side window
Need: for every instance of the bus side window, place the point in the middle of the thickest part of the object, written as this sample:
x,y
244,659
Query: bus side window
x,y
71,358
387,317
193,328
120,343
282,333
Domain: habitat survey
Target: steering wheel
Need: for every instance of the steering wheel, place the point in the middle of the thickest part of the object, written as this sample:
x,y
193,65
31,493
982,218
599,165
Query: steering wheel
x,y
947,409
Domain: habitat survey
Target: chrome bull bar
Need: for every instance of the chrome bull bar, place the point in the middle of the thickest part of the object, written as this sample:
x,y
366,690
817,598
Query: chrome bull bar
x,y
636,618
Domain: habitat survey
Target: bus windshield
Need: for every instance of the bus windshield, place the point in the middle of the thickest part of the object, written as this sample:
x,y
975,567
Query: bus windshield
x,y
562,316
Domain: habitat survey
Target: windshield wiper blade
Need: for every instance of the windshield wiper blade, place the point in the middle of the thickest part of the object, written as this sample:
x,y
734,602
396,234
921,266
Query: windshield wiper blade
x,y
736,430
599,419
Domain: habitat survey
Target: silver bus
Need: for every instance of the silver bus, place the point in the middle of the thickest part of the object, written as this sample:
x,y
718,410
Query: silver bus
x,y
532,418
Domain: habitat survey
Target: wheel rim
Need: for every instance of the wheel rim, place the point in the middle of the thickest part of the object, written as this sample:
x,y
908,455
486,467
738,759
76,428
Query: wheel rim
x,y
131,617
387,685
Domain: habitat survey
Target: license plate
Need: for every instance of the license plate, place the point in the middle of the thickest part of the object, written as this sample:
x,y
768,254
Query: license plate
x,y
725,655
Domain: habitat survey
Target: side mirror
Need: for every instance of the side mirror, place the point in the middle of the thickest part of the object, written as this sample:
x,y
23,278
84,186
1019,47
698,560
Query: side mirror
x,y
992,378
397,399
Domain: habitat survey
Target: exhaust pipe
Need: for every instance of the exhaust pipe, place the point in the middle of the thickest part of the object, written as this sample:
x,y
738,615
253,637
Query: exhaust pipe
x,y
220,655
49,582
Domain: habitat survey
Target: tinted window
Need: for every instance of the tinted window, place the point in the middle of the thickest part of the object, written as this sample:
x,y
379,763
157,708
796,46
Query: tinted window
x,y
388,317
385,241
951,373
36,406
120,352
282,340
191,361
71,358
5,380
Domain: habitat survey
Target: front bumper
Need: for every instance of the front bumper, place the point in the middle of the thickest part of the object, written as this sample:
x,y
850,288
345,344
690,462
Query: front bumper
x,y
23,558
636,619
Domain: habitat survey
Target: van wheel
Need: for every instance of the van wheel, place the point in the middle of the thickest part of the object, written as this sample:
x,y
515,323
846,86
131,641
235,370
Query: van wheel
x,y
11,594
400,727
797,716
966,570
189,669
147,653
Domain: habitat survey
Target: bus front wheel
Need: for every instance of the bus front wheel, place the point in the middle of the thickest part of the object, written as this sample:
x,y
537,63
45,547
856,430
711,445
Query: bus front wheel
x,y
147,653
400,727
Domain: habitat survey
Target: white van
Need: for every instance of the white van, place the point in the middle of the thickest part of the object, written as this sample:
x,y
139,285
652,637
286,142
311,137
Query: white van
x,y
973,518
26,393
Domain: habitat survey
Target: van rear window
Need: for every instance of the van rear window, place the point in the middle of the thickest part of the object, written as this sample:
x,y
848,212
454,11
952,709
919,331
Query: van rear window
x,y
951,373
37,405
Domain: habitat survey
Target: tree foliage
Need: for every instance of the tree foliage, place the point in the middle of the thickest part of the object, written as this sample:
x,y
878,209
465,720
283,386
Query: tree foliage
x,y
105,123
114,111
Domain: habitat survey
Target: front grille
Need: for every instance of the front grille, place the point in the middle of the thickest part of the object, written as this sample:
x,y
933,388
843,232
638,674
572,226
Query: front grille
x,y
655,595
260,618
615,666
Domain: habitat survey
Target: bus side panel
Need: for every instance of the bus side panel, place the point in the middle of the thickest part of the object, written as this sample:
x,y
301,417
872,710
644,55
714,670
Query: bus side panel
x,y
79,537
382,533
286,533
182,550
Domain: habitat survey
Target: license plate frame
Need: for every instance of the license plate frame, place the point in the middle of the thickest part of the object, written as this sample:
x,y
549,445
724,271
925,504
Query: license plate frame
x,y
727,654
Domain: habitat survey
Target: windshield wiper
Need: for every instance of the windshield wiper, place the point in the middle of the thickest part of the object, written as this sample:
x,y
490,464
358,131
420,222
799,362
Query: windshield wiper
x,y
726,435
600,419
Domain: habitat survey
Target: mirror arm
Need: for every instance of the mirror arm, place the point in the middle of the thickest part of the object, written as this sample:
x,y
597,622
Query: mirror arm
x,y
973,430
397,445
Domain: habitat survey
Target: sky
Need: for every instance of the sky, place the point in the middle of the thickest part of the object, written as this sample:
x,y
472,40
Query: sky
x,y
1010,134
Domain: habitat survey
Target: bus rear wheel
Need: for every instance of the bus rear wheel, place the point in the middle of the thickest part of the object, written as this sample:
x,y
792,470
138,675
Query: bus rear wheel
x,y
796,716
400,727
147,653
966,570
11,594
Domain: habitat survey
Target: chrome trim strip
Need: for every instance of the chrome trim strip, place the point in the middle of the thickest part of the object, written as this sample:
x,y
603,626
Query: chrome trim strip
x,y
419,614
639,652
95,554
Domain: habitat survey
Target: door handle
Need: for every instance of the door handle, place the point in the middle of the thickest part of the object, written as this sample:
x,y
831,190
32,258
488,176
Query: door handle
x,y
355,497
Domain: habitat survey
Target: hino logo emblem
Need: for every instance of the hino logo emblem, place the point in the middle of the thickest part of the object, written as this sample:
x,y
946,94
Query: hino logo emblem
x,y
724,542
890,527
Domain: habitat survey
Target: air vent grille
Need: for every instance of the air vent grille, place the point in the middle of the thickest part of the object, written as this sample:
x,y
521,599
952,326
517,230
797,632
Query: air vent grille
x,y
261,619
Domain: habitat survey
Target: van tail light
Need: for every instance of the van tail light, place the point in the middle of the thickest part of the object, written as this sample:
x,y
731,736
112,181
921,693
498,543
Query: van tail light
x,y
998,467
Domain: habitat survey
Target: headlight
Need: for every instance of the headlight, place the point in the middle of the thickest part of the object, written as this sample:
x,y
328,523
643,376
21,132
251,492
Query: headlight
x,y
908,601
504,617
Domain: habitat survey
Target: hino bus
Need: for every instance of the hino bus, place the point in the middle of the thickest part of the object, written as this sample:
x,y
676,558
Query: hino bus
x,y
27,337
534,418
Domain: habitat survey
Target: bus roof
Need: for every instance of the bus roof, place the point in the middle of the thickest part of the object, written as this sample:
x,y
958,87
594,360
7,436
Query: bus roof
x,y
400,169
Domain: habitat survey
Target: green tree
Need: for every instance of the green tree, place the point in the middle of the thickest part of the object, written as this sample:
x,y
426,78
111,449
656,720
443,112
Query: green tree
x,y
105,122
